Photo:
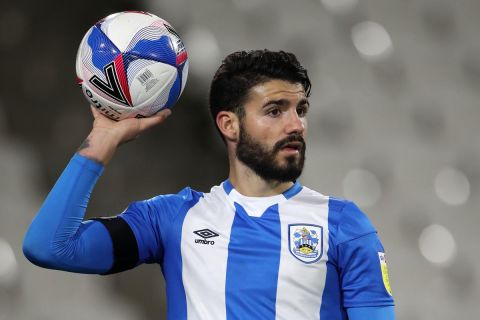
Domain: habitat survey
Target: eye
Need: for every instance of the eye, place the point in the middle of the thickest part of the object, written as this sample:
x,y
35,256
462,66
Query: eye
x,y
274,112
302,110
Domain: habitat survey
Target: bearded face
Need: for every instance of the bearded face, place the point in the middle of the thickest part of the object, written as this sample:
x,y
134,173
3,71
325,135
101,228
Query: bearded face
x,y
269,162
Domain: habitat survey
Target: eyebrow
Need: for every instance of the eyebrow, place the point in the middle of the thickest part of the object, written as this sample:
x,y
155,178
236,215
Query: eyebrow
x,y
284,102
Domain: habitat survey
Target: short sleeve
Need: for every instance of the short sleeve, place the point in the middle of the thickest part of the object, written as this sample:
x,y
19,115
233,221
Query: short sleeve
x,y
150,221
144,222
352,223
360,260
363,281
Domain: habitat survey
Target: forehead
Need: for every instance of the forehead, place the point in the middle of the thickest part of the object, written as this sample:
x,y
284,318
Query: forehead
x,y
275,89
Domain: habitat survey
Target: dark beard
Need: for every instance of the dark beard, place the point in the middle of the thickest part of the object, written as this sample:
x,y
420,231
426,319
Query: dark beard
x,y
262,161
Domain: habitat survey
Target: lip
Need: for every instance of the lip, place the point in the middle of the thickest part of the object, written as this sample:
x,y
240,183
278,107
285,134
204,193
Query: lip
x,y
296,145
293,147
290,151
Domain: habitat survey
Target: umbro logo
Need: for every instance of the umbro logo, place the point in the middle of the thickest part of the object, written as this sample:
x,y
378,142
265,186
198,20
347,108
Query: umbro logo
x,y
205,234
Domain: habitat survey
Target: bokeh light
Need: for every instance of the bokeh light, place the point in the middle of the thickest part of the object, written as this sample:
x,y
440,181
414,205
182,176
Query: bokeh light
x,y
371,40
437,245
452,186
8,265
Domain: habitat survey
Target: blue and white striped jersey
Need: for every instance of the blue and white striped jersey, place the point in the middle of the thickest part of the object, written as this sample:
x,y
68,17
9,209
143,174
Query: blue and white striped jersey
x,y
297,255
223,255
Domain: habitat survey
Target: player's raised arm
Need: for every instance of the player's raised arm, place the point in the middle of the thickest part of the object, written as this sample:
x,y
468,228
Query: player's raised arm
x,y
58,238
132,66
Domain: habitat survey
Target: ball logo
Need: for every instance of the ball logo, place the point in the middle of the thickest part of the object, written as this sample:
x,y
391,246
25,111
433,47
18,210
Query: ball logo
x,y
178,45
112,86
306,242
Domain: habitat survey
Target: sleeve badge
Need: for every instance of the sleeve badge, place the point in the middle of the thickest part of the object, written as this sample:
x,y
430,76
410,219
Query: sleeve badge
x,y
384,268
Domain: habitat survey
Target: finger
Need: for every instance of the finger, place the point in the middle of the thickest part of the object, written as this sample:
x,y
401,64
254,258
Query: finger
x,y
95,112
147,123
97,115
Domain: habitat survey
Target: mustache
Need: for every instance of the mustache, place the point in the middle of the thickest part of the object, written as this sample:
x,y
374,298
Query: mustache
x,y
292,138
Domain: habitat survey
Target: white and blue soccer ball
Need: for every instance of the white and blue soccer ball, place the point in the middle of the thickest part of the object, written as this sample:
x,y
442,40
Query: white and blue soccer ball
x,y
131,65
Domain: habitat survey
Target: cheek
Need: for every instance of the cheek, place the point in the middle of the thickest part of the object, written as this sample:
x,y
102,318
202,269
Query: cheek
x,y
261,129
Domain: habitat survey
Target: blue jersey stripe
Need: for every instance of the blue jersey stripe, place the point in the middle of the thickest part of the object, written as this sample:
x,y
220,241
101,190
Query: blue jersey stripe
x,y
331,308
251,283
172,271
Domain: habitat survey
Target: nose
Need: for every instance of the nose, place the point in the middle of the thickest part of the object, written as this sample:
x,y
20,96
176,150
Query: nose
x,y
295,123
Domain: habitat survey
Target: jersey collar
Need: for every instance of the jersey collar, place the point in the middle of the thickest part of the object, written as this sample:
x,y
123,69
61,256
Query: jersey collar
x,y
290,192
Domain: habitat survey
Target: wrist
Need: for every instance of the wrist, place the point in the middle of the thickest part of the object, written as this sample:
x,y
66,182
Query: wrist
x,y
100,146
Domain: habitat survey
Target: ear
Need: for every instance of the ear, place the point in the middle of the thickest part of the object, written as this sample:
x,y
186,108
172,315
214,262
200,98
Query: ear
x,y
228,124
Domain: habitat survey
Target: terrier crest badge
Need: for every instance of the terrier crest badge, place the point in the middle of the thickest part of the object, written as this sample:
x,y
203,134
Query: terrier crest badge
x,y
305,242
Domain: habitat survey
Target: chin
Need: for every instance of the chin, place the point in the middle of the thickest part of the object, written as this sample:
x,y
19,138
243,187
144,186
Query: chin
x,y
288,161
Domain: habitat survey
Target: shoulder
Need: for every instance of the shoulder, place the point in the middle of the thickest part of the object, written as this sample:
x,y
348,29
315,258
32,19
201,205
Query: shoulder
x,y
168,204
347,220
185,195
309,196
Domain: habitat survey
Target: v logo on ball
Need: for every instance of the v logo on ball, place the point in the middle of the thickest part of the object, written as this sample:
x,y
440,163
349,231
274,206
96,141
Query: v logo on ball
x,y
112,87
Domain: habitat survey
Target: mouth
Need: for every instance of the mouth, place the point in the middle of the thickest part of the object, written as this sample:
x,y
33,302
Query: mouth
x,y
292,147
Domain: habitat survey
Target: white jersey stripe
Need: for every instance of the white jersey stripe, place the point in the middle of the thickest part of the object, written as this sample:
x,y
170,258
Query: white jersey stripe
x,y
299,294
205,260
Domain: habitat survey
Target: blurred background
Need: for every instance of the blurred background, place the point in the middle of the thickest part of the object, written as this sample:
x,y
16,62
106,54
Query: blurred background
x,y
394,126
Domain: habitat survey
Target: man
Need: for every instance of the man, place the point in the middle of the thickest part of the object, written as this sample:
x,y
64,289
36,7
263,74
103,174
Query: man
x,y
258,246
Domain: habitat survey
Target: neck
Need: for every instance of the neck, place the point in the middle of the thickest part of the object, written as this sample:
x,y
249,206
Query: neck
x,y
248,183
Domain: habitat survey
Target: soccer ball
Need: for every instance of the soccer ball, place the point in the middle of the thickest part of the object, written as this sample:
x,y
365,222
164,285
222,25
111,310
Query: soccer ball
x,y
131,65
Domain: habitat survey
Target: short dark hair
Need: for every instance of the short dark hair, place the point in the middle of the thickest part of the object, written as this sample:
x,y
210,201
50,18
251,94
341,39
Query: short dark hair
x,y
242,70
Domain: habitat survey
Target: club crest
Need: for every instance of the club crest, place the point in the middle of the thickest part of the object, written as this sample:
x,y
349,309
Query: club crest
x,y
305,242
